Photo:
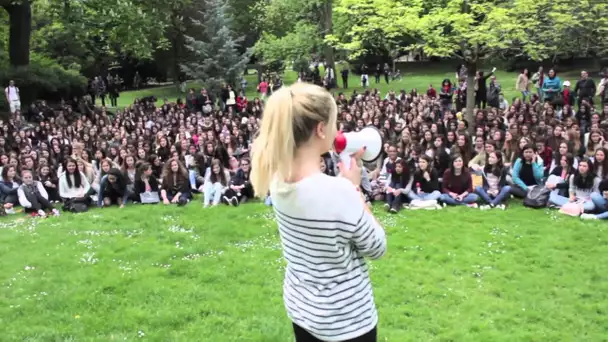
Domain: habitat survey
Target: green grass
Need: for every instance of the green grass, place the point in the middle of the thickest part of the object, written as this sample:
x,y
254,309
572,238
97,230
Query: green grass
x,y
412,78
187,274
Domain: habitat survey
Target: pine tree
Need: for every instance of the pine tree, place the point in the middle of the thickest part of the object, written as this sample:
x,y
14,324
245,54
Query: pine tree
x,y
216,57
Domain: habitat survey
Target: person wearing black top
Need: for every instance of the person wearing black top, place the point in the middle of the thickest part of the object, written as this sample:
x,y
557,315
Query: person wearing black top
x,y
344,73
176,187
426,181
240,189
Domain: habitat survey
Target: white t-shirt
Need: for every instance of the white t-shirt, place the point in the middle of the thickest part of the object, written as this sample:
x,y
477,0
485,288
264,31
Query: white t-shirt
x,y
12,93
326,233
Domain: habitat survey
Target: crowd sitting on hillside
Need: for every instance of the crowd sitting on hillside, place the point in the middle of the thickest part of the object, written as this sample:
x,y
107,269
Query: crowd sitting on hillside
x,y
165,152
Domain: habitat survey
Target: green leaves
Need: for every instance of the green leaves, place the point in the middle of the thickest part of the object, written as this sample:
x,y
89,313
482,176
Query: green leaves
x,y
467,29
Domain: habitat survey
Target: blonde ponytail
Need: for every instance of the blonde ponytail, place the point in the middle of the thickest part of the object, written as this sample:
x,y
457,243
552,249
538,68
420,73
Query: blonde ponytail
x,y
290,117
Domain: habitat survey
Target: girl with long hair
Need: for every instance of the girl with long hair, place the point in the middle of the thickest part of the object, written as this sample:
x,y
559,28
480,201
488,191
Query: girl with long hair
x,y
580,187
321,218
527,171
458,185
176,187
73,184
216,183
399,186
426,192
494,190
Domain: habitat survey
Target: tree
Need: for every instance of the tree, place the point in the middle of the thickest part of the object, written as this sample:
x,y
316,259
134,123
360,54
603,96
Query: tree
x,y
468,30
294,30
20,21
217,56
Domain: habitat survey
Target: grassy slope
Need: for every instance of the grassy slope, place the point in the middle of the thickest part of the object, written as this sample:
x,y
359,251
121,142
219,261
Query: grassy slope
x,y
187,274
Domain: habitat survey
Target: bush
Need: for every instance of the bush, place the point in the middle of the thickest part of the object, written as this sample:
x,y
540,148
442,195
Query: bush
x,y
42,79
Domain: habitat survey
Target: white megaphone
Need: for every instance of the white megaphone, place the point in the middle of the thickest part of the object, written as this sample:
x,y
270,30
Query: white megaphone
x,y
346,144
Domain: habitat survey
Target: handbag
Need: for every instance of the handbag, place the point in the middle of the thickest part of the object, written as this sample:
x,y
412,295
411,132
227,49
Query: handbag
x,y
149,197
537,197
572,209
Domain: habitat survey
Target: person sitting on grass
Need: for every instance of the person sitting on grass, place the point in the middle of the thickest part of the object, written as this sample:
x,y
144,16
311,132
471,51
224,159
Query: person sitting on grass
x,y
581,185
216,183
399,187
146,185
50,183
33,197
600,200
113,189
559,179
240,189
176,187
8,188
527,171
495,189
426,191
458,185
73,184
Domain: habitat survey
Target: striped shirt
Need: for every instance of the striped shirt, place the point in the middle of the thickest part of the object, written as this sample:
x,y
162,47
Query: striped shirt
x,y
326,233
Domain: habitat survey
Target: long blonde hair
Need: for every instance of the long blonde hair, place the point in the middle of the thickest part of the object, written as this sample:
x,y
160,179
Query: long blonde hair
x,y
290,117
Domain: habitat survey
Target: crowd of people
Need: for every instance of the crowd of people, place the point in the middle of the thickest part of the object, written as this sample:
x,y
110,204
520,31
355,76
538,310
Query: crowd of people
x,y
79,155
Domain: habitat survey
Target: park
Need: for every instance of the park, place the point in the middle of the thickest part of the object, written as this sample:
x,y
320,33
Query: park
x,y
165,272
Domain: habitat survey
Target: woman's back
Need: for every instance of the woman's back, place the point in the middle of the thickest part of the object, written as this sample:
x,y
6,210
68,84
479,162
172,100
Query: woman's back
x,y
326,232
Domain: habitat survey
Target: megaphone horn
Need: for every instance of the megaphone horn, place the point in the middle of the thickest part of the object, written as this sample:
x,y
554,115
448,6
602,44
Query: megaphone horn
x,y
346,144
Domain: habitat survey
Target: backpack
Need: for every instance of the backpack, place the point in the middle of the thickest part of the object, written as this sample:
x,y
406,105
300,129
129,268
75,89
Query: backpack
x,y
537,197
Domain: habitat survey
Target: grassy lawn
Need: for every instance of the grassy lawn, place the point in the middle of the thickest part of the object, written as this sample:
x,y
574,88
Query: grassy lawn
x,y
412,78
187,274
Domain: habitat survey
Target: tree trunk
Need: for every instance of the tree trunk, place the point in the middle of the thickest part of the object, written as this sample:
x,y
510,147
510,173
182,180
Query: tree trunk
x,y
328,29
20,18
470,115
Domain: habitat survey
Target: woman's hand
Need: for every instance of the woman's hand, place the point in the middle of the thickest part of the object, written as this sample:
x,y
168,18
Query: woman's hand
x,y
572,198
166,201
354,172
427,176
550,186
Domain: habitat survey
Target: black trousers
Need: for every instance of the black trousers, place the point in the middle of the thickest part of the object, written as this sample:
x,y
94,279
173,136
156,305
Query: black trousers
x,y
38,202
344,82
304,336
518,192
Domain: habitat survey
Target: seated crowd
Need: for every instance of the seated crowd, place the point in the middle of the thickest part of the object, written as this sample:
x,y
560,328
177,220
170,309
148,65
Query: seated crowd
x,y
149,153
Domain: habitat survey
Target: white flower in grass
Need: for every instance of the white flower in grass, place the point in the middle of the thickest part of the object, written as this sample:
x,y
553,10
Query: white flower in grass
x,y
140,333
30,268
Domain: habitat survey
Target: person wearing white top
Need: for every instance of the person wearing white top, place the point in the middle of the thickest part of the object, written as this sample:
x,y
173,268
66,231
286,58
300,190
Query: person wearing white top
x,y
326,228
12,96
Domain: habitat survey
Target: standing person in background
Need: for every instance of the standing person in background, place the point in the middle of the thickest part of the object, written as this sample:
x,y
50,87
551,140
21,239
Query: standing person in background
x,y
585,88
322,220
345,71
539,79
263,88
523,84
12,97
387,72
551,86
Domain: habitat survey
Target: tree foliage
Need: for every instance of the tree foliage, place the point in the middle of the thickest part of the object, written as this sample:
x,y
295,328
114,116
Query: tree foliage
x,y
468,30
293,29
217,57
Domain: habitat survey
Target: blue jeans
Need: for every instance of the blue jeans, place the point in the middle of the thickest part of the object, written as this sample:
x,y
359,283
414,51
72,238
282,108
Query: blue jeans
x,y
192,178
502,195
601,204
212,192
433,196
560,201
468,199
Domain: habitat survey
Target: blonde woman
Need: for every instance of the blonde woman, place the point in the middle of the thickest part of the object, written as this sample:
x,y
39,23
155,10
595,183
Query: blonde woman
x,y
325,226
